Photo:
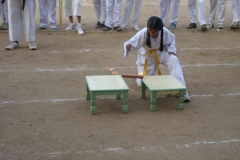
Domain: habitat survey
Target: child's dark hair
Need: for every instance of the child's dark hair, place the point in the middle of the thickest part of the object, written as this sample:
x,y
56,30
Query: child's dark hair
x,y
156,24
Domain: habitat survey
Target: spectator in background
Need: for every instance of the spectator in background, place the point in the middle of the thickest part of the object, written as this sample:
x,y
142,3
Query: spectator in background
x,y
235,14
201,14
21,18
47,11
114,8
100,9
4,14
128,11
164,9
221,13
76,11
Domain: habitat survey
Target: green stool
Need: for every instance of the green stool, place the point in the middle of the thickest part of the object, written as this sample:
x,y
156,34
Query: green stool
x,y
106,85
163,84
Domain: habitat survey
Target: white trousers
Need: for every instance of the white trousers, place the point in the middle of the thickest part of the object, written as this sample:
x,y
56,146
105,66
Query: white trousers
x,y
77,8
221,11
193,12
164,9
100,9
235,11
128,11
47,10
173,64
4,11
114,8
20,21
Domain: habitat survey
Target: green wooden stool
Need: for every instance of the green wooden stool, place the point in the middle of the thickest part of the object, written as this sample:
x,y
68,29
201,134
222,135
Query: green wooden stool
x,y
106,85
163,84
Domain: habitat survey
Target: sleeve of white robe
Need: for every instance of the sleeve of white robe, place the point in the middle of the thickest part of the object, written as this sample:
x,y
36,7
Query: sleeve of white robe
x,y
136,42
169,41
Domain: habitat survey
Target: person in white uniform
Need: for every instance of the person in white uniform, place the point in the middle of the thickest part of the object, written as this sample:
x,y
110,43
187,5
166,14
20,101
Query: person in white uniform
x,y
221,5
114,8
75,11
4,14
156,44
201,14
47,11
235,14
128,11
21,18
164,9
100,9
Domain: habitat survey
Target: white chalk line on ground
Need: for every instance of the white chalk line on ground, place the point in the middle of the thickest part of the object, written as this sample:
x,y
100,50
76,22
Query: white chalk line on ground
x,y
99,97
104,68
150,149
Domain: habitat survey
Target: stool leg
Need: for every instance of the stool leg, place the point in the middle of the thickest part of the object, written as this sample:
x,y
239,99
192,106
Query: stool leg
x,y
118,96
93,103
153,101
181,99
87,93
143,91
125,102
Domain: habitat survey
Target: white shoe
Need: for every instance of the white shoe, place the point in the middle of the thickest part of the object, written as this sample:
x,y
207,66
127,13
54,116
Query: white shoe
x,y
80,30
70,27
220,26
32,46
12,45
136,29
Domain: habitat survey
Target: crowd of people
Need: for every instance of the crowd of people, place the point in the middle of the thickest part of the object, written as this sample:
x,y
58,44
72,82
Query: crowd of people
x,y
16,14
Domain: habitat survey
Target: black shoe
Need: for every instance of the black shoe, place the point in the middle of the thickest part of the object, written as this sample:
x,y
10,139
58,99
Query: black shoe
x,y
118,28
98,25
106,28
186,100
102,25
203,27
192,26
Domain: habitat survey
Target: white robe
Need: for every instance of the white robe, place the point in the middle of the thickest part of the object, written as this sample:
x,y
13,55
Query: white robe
x,y
4,11
114,8
77,8
221,11
235,11
164,9
47,11
193,11
128,11
138,42
20,21
100,9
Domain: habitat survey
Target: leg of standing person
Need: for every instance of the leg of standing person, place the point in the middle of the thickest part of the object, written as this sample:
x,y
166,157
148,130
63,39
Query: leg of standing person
x,y
127,13
192,12
15,23
212,14
202,14
235,12
68,13
29,23
109,17
4,11
103,13
117,15
97,7
137,9
77,11
175,14
52,14
43,8
164,9
221,13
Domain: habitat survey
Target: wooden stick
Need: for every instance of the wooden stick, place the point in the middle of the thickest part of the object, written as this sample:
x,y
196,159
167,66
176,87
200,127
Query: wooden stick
x,y
132,76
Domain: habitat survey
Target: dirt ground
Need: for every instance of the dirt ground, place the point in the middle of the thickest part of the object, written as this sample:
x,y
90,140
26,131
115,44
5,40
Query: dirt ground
x,y
44,113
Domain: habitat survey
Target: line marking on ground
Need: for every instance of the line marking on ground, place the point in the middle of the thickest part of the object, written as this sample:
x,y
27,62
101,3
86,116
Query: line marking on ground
x,y
99,97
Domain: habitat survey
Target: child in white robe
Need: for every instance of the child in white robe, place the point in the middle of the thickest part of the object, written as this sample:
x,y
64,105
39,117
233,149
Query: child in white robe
x,y
21,18
160,41
235,14
4,14
100,9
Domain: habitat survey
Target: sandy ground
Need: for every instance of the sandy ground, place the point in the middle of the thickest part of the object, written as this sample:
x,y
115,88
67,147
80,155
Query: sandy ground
x,y
44,114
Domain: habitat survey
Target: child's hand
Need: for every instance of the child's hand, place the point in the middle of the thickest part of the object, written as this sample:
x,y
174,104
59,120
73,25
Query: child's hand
x,y
128,47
